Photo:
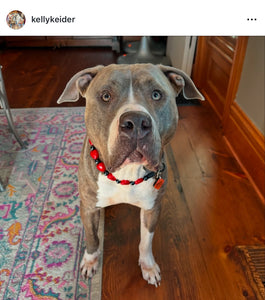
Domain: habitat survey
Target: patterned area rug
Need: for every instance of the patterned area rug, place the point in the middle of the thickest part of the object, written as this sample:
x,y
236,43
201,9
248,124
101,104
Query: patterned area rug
x,y
41,234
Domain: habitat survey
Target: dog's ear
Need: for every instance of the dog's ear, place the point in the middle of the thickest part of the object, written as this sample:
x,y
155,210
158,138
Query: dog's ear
x,y
181,82
78,85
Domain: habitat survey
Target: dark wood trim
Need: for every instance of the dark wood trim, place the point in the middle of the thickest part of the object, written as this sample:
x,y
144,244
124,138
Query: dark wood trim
x,y
245,141
243,138
237,66
247,144
199,62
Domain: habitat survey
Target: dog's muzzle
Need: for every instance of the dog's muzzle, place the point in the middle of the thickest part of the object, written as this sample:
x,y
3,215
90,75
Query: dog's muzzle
x,y
135,125
136,142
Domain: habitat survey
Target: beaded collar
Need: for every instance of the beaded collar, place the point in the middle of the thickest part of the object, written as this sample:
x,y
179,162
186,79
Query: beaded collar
x,y
102,168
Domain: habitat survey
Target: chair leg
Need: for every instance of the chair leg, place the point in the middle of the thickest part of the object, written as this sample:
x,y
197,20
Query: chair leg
x,y
4,103
2,189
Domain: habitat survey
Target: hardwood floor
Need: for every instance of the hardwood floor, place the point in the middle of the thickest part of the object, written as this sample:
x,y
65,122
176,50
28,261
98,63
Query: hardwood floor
x,y
209,208
35,77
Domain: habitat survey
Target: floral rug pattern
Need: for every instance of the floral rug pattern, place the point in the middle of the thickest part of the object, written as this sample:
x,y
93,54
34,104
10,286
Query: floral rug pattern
x,y
41,234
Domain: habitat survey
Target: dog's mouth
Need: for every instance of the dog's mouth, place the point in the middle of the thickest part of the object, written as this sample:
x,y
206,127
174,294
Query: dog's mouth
x,y
135,157
141,156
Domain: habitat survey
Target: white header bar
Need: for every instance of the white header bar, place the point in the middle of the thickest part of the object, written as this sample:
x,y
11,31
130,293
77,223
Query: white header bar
x,y
137,17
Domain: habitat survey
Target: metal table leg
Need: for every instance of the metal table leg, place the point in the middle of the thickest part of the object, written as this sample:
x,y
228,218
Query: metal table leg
x,y
1,186
4,104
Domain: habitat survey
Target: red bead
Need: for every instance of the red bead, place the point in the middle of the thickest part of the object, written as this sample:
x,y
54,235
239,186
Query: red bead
x,y
111,177
94,154
139,180
101,167
125,182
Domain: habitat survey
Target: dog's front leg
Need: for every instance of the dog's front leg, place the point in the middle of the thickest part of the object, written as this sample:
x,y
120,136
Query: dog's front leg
x,y
90,259
150,269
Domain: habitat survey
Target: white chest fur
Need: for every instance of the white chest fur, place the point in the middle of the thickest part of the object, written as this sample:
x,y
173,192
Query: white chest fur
x,y
142,195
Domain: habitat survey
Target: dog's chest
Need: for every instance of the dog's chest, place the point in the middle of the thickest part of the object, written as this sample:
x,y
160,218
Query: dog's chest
x,y
142,195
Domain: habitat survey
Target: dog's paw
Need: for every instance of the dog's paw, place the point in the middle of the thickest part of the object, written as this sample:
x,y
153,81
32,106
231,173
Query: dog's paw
x,y
89,264
151,273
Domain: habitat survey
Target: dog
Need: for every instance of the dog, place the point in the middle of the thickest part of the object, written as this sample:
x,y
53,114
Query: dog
x,y
130,115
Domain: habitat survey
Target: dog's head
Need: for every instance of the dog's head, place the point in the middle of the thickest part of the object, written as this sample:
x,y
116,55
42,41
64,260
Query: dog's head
x,y
131,110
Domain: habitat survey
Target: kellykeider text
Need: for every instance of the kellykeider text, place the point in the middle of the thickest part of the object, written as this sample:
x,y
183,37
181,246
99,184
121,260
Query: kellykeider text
x,y
51,19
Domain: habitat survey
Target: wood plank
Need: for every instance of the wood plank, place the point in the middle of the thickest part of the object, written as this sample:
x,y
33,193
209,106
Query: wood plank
x,y
202,130
212,205
218,203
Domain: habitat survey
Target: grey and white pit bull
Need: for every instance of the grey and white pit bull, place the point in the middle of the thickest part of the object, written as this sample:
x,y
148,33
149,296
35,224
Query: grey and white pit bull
x,y
130,115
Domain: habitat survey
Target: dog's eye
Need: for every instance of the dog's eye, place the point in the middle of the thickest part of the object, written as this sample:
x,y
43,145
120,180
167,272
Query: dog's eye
x,y
106,96
156,95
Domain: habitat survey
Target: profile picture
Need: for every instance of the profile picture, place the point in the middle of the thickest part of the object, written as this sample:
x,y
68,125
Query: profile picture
x,y
15,19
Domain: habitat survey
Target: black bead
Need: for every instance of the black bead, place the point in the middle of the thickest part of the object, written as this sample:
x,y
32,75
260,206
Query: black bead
x,y
97,161
132,182
106,173
151,174
118,181
92,147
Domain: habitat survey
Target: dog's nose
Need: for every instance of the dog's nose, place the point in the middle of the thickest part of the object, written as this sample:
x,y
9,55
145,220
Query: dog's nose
x,y
135,124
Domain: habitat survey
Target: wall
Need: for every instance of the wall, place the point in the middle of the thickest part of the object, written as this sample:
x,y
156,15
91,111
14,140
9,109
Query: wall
x,y
250,95
181,50
175,50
